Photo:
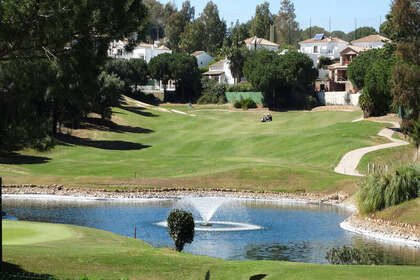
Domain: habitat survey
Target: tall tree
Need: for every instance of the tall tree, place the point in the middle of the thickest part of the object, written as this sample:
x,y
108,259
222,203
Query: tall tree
x,y
262,21
239,33
156,21
214,28
177,23
406,74
360,33
69,39
193,37
339,34
288,32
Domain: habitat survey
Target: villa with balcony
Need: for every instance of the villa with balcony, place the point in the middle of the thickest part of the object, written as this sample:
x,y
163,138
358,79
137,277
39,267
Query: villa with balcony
x,y
338,80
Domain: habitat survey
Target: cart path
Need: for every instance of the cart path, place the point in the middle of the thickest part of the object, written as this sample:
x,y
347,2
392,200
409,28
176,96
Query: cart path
x,y
152,107
350,161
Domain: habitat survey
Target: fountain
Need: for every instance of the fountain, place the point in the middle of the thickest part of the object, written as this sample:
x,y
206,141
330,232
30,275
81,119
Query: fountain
x,y
207,207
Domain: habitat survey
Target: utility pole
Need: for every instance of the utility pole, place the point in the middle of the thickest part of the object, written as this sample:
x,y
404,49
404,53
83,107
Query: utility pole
x,y
310,27
329,29
355,28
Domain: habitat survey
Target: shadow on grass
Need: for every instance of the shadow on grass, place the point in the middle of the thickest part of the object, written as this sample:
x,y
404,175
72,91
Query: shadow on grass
x,y
139,111
254,277
12,271
100,144
107,125
15,158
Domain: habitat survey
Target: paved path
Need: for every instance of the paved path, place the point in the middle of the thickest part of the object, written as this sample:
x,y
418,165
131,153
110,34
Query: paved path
x,y
350,161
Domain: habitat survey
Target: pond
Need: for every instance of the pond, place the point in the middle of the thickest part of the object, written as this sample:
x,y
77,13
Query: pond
x,y
265,230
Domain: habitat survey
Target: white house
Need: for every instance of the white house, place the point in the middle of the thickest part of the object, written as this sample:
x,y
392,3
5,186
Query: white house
x,y
371,42
220,71
141,50
321,45
260,43
203,59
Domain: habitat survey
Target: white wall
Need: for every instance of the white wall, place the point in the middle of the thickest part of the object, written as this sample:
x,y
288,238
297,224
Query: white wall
x,y
259,47
331,49
146,53
228,74
338,98
370,45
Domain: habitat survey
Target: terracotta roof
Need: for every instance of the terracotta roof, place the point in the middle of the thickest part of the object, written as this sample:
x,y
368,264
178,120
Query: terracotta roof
x,y
356,49
197,53
371,38
163,48
220,63
260,41
325,40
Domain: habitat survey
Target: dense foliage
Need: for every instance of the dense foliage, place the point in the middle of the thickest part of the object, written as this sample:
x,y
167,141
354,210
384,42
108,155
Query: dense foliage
x,y
181,228
245,103
372,71
406,74
383,191
181,68
212,92
133,72
51,56
285,80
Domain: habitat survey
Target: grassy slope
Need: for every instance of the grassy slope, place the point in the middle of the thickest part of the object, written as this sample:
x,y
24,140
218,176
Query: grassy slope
x,y
408,212
299,150
103,255
392,157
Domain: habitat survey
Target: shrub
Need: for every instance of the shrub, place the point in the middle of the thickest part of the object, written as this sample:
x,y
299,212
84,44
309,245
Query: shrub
x,y
371,196
212,92
241,88
352,256
324,61
245,103
181,228
403,186
381,191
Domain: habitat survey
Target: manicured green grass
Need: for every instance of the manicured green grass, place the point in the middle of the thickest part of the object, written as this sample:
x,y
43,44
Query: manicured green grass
x,y
394,157
103,255
298,151
21,234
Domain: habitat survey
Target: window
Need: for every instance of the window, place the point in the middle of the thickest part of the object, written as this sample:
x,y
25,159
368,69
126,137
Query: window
x,y
315,49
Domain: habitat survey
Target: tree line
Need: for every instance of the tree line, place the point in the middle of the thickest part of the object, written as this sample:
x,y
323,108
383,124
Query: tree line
x,y
390,77
209,32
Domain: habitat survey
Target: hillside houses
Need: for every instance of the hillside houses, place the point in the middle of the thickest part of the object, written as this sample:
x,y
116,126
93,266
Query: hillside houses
x,y
220,71
144,51
203,58
260,43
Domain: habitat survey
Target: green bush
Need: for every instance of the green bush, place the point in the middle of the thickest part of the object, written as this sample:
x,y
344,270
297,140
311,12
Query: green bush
x,y
245,104
241,88
371,196
353,256
212,92
324,61
181,228
403,186
381,191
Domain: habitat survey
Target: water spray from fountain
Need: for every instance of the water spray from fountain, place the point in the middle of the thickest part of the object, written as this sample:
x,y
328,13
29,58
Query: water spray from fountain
x,y
207,207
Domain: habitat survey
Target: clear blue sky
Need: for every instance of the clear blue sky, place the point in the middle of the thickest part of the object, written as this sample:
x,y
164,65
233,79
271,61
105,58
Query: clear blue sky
x,y
343,13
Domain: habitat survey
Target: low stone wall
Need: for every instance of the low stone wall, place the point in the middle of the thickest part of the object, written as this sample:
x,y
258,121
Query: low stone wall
x,y
385,230
338,98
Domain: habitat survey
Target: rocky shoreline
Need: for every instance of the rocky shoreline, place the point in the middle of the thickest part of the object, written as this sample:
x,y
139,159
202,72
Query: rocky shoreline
x,y
369,226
